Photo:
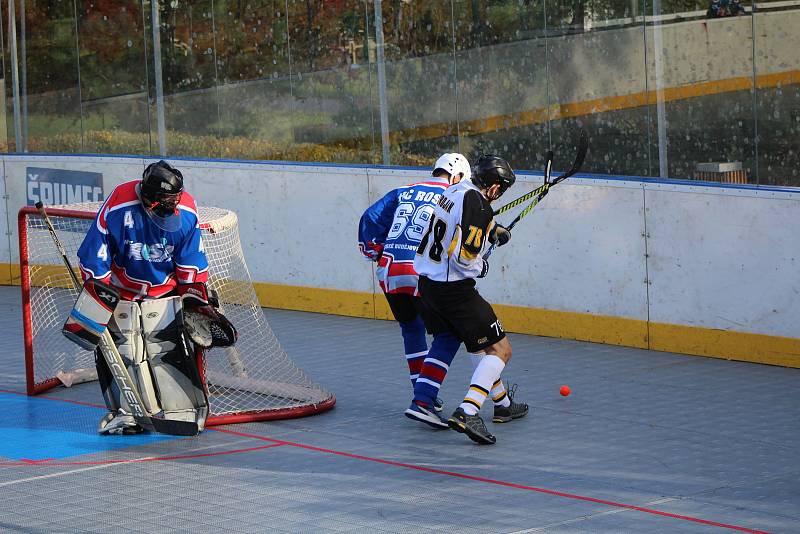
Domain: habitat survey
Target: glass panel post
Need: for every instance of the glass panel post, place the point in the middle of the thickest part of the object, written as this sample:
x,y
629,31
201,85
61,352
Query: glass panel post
x,y
12,37
381,61
160,120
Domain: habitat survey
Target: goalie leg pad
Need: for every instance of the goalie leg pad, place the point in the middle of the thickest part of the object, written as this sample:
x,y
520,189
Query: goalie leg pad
x,y
126,329
90,316
171,361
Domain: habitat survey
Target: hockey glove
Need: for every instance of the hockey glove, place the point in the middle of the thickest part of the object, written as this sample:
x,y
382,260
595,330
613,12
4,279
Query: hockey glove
x,y
204,324
484,269
373,251
500,234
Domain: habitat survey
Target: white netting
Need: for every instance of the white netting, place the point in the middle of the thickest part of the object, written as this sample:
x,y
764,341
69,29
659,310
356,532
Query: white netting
x,y
255,377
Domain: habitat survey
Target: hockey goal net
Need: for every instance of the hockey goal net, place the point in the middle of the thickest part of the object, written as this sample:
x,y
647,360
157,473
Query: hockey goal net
x,y
254,380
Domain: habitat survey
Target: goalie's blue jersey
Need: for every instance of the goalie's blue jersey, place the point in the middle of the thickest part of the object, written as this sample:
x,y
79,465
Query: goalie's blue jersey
x,y
126,249
390,231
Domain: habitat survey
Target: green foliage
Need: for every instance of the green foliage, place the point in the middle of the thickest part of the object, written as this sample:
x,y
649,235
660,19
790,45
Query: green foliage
x,y
205,146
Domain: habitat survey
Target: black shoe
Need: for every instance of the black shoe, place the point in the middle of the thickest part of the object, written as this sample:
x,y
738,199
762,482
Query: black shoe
x,y
504,414
425,415
471,425
438,404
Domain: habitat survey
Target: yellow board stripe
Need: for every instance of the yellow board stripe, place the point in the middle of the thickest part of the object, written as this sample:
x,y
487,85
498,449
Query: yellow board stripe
x,y
586,107
716,343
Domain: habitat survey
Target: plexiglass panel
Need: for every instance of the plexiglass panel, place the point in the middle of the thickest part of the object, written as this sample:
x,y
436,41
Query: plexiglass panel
x,y
189,42
687,89
700,70
596,58
47,79
502,80
421,78
777,31
333,110
111,43
256,109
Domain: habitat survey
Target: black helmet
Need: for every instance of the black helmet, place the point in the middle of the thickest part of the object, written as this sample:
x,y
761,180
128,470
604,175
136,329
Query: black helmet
x,y
161,189
490,170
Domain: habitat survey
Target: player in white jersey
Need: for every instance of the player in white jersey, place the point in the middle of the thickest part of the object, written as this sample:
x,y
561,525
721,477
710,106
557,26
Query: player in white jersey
x,y
448,261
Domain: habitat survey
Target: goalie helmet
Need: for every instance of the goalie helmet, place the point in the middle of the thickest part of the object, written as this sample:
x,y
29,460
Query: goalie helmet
x,y
453,164
490,170
160,190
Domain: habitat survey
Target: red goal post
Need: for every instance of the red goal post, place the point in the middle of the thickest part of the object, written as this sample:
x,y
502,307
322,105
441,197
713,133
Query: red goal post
x,y
255,380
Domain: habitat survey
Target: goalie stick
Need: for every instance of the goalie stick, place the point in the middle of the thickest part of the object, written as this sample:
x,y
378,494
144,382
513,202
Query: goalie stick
x,y
115,363
540,192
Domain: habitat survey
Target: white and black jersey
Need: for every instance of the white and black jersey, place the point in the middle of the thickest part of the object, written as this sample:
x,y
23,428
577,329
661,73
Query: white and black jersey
x,y
451,248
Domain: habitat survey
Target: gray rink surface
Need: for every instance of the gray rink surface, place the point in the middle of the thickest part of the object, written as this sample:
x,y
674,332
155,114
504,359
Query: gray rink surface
x,y
716,443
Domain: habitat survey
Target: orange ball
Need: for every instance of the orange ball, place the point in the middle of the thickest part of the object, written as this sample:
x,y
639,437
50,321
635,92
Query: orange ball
x,y
565,391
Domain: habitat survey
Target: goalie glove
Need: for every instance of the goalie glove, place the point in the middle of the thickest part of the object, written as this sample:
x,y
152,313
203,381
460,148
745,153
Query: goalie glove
x,y
373,251
204,324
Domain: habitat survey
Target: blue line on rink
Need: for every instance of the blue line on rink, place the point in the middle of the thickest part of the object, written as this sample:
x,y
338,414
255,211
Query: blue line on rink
x,y
37,429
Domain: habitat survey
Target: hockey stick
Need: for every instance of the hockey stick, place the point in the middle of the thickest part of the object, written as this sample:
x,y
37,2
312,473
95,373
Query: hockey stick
x,y
115,363
583,145
540,192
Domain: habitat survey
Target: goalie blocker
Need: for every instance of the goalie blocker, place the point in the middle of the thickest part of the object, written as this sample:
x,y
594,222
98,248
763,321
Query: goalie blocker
x,y
153,337
89,317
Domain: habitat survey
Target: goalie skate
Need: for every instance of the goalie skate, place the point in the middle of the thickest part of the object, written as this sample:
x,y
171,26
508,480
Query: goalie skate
x,y
118,423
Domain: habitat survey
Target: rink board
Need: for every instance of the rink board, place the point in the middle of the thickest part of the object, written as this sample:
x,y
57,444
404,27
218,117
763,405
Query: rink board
x,y
701,269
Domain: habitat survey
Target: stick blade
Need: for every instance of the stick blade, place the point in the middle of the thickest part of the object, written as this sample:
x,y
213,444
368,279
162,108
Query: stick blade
x,y
583,148
174,428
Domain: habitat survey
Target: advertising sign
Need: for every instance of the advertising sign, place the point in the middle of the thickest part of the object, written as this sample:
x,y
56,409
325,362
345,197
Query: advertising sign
x,y
59,186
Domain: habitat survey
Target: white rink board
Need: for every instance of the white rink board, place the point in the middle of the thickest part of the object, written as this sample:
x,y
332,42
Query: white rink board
x,y
720,257
298,223
725,261
580,250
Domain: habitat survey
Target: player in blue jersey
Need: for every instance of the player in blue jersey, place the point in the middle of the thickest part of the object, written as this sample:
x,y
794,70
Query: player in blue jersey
x,y
389,233
145,250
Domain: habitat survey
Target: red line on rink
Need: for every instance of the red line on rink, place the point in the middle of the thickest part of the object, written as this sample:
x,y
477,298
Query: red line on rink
x,y
496,482
278,443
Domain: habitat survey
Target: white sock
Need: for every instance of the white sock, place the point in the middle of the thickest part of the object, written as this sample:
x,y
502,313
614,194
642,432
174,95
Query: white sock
x,y
499,394
483,378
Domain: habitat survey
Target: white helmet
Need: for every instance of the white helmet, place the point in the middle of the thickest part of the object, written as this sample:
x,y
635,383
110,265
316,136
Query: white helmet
x,y
454,163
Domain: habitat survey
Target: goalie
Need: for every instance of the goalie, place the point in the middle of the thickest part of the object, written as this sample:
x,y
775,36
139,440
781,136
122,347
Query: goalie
x,y
145,274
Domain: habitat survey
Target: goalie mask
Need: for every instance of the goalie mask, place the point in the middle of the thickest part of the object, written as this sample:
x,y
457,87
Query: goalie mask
x,y
160,191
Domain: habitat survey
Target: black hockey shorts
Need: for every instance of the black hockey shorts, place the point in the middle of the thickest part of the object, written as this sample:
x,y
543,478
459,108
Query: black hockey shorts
x,y
405,307
457,307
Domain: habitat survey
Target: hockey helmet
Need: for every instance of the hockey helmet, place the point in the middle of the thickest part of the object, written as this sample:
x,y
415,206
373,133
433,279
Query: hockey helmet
x,y
490,170
453,163
160,190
